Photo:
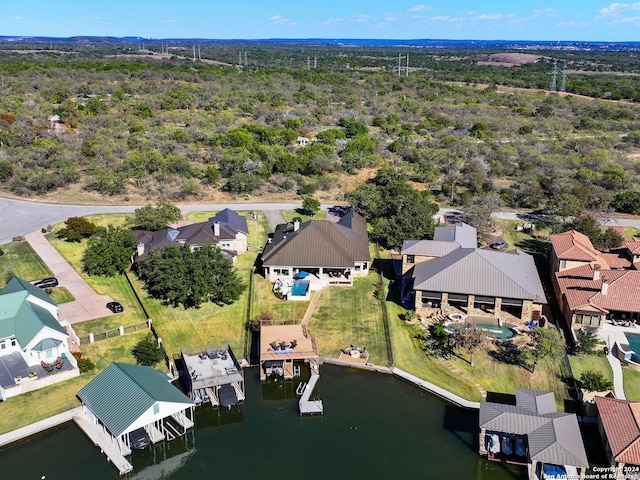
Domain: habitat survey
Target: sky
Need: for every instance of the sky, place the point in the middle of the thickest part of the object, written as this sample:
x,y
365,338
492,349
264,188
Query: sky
x,y
559,20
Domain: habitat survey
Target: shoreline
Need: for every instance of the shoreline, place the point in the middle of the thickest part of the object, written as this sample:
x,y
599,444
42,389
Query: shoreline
x,y
23,433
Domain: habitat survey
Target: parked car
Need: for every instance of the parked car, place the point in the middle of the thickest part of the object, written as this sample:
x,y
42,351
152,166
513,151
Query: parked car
x,y
115,307
47,282
139,439
499,245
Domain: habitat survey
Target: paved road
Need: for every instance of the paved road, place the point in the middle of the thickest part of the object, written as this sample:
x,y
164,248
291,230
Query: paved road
x,y
19,217
87,304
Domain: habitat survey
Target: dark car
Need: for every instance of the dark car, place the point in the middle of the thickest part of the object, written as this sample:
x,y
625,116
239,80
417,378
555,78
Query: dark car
x,y
47,282
115,307
139,439
499,245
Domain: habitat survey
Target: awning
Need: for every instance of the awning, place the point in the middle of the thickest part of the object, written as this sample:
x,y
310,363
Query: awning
x,y
46,344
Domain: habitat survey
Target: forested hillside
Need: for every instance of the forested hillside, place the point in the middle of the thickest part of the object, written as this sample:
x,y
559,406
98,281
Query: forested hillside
x,y
93,125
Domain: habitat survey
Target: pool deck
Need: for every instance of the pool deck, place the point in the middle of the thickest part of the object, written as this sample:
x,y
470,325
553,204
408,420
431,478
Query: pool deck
x,y
613,334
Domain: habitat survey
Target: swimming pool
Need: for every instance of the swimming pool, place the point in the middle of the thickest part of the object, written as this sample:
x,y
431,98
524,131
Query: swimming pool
x,y
634,344
299,288
494,331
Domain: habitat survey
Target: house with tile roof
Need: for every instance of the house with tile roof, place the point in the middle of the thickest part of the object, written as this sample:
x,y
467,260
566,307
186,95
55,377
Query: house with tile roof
x,y
619,426
227,229
333,252
592,286
125,397
451,271
30,334
534,433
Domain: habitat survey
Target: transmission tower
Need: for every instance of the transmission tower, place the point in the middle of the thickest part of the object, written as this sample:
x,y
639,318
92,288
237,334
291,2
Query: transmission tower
x,y
563,85
315,62
554,74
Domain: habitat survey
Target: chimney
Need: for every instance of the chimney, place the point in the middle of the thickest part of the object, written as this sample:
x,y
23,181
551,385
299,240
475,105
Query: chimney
x,y
605,287
596,272
216,228
296,225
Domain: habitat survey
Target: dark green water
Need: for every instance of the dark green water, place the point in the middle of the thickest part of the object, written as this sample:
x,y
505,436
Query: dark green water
x,y
374,427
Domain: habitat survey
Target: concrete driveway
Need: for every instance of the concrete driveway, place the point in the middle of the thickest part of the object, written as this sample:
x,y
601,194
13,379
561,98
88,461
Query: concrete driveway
x,y
88,304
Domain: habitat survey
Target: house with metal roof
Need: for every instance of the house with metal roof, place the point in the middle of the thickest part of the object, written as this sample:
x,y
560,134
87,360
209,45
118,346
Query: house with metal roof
x,y
592,286
125,397
451,271
227,229
534,433
619,426
333,252
31,340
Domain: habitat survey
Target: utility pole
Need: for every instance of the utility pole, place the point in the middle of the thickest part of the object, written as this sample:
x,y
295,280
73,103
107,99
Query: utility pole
x,y
239,59
552,87
199,55
246,64
407,65
399,63
308,63
315,62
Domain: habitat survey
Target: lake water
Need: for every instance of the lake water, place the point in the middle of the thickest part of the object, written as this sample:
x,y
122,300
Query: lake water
x,y
375,426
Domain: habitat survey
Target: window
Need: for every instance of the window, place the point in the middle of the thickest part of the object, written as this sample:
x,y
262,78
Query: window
x,y
411,259
563,264
588,320
156,408
13,342
225,244
3,345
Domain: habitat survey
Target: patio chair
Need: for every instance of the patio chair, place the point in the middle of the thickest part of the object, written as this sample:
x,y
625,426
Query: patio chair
x,y
58,363
47,366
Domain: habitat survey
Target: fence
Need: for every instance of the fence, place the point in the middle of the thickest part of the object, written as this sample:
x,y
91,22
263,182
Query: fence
x,y
383,307
114,332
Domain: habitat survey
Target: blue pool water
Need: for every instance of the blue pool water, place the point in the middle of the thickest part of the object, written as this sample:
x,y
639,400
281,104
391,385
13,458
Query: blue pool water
x,y
634,343
300,288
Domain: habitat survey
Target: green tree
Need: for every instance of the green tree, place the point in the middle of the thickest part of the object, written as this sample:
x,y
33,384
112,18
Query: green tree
x,y
468,339
624,202
156,217
587,339
352,127
76,228
179,276
109,251
594,381
547,342
601,237
147,351
310,206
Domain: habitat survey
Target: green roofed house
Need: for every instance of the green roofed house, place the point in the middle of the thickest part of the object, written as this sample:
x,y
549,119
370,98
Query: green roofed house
x,y
33,342
124,398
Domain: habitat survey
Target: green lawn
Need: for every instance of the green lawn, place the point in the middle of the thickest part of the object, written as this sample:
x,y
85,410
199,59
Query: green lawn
x,y
632,232
596,363
61,295
20,260
631,380
264,301
346,316
289,215
521,239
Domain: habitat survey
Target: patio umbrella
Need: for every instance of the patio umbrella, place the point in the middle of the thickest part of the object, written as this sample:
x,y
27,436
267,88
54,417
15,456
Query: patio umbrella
x,y
302,274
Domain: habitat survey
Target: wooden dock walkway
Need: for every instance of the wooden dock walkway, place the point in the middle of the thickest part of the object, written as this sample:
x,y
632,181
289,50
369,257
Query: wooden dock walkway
x,y
106,443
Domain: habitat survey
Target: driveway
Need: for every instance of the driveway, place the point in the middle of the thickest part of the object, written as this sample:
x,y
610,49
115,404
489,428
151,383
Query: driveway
x,y
88,304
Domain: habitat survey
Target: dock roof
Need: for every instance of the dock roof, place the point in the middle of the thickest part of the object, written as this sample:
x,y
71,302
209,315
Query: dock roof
x,y
123,392
276,334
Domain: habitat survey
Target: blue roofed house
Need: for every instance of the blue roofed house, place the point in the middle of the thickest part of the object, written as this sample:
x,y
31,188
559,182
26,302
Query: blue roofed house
x,y
30,336
451,271
227,229
125,397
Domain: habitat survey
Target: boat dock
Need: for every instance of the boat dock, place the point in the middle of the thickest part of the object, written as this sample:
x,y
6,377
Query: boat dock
x,y
306,406
106,444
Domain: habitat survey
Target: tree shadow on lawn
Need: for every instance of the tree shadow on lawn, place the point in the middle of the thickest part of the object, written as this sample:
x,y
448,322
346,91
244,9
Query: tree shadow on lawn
x,y
511,354
534,247
385,267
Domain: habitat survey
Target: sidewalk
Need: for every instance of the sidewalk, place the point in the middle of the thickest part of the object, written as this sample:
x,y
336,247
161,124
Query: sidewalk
x,y
614,334
88,304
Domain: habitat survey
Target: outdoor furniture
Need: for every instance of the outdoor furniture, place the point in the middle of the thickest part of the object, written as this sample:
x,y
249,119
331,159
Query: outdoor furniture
x,y
47,366
58,363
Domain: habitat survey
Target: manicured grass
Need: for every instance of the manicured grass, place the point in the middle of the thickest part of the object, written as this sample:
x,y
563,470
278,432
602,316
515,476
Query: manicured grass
x,y
346,316
61,295
116,349
515,239
632,232
631,379
37,405
594,363
289,215
20,260
264,301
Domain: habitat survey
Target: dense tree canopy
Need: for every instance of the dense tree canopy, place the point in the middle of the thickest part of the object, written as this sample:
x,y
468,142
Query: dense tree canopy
x,y
147,351
76,228
395,210
156,217
109,251
179,275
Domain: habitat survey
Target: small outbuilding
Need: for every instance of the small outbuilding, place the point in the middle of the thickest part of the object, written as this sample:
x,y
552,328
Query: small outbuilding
x,y
124,398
